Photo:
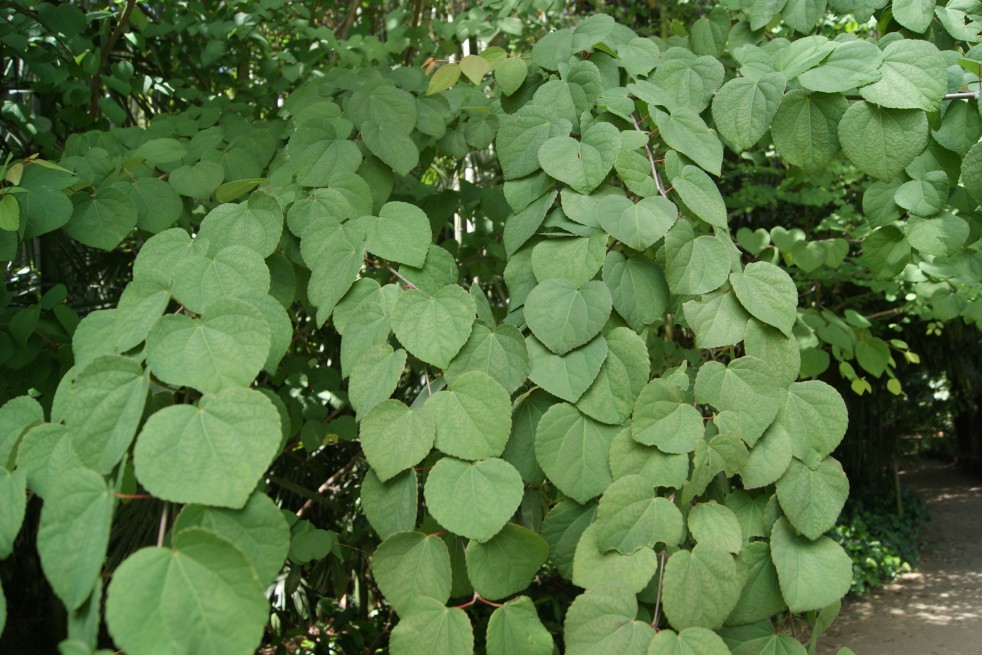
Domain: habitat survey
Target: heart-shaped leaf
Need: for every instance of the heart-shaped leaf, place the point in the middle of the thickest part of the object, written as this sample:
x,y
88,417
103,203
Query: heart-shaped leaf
x,y
582,164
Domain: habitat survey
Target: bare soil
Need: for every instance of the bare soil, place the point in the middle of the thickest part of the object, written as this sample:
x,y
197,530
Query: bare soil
x,y
937,608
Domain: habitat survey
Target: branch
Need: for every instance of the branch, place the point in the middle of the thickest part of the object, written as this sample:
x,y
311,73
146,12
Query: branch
x,y
96,83
651,160
328,484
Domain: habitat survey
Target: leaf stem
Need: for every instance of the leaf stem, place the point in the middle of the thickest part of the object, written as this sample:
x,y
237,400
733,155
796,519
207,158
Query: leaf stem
x,y
651,159
162,530
661,580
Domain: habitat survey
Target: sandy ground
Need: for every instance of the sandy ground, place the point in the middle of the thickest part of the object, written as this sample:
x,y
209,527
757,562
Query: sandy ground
x,y
936,609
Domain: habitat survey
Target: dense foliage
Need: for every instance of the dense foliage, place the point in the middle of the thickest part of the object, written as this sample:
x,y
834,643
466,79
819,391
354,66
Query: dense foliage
x,y
486,330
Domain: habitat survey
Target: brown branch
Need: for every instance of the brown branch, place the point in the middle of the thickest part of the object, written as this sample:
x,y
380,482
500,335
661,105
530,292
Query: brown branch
x,y
651,160
417,12
328,484
96,83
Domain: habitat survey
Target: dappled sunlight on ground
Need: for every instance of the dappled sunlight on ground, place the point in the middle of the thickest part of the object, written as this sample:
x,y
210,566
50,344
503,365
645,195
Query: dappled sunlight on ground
x,y
937,609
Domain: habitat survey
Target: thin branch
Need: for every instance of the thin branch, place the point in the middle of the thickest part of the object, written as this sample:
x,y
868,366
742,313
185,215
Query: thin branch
x,y
162,530
327,486
405,281
661,579
651,159
417,11
96,83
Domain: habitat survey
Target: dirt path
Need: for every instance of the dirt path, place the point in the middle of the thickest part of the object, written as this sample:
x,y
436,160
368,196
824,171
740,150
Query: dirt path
x,y
937,609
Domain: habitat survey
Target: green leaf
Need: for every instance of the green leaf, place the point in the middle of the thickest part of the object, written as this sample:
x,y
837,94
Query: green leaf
x,y
961,127
562,528
434,327
258,531
17,415
401,233
46,454
685,131
743,108
630,516
941,236
563,316
230,191
396,437
335,262
151,591
812,499
473,499
768,293
444,78
687,81
506,563
886,252
913,77
602,620
803,15
716,525
659,469
233,271
103,220
520,449
698,641
972,172
744,386
638,289
13,504
103,408
388,142
768,459
695,265
474,67
625,371
390,507
9,213
761,596
814,416
700,195
412,565
515,628
439,270
722,453
521,136
573,451
42,210
520,227
806,128
576,259
500,352
594,568
212,453
873,355
375,377
925,196
256,224
141,304
719,320
197,181
882,142
161,151
664,419
429,628
638,56
638,225
582,164
915,15
851,65
510,73
701,587
226,347
472,417
74,533
324,157
812,573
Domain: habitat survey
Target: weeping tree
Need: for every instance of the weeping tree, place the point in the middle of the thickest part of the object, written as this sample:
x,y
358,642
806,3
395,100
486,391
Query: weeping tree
x,y
496,309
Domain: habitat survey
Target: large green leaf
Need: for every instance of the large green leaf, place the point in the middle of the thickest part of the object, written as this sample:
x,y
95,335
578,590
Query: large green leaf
x,y
812,499
429,628
400,233
700,195
390,144
258,531
563,316
500,352
506,563
915,15
768,459
256,224
573,450
610,399
768,293
562,528
913,76
434,327
659,469
716,525
812,573
140,305
637,287
412,565
234,271
701,588
375,377
213,453
226,347
806,128
103,408
396,437
745,386
522,134
566,376
390,507
13,504
780,352
851,65
664,419
743,108
337,256
472,417
103,220
576,259
46,454
687,81
698,641
602,620
695,265
761,596
717,320
582,164
638,225
881,142
685,131
147,609
473,499
814,416
925,196
630,516
941,236
592,567
515,628
17,415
